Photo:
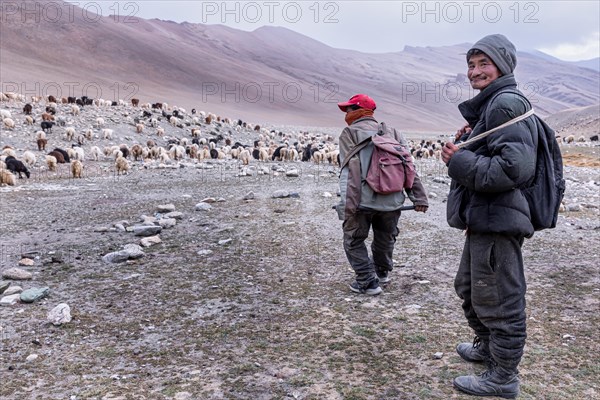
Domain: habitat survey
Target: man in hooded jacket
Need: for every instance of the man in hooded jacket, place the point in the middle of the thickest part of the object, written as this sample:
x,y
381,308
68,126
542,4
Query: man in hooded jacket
x,y
485,199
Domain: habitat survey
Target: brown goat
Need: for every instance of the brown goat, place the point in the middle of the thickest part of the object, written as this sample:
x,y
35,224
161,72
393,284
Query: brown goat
x,y
42,144
58,155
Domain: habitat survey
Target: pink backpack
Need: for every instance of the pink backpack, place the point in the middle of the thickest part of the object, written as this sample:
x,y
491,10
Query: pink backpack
x,y
391,169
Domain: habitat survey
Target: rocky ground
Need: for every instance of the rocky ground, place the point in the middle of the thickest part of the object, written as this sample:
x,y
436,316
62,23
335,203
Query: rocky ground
x,y
246,295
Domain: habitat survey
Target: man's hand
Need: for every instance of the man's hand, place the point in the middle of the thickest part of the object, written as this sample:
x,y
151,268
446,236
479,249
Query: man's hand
x,y
448,151
422,209
462,131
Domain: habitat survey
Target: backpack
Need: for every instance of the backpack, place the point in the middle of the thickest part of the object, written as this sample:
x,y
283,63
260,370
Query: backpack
x,y
391,168
545,192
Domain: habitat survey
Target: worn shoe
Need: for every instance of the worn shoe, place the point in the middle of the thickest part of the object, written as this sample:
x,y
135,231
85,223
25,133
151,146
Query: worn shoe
x,y
489,383
384,277
474,352
372,289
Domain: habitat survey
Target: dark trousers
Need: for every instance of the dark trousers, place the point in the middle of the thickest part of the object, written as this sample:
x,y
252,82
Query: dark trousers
x,y
491,283
356,230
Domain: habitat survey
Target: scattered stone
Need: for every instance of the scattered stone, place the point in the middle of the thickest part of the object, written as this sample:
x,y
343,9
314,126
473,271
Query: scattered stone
x,y
10,300
249,196
102,229
280,194
224,241
61,314
3,286
327,194
13,290
438,355
148,220
17,274
439,179
26,262
292,173
130,251
423,282
208,200
34,294
568,337
167,222
295,195
220,200
174,214
120,227
146,230
573,207
115,257
134,251
432,195
150,240
31,357
204,252
203,207
165,208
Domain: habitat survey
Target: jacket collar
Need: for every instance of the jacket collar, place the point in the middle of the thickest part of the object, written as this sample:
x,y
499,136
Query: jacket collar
x,y
471,109
364,119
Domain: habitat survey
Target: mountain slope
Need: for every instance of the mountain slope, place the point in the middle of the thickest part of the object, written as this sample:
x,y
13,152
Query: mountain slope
x,y
271,74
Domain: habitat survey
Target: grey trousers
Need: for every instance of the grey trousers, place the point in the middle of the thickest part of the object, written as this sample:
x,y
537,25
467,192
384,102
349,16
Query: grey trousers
x,y
491,283
356,230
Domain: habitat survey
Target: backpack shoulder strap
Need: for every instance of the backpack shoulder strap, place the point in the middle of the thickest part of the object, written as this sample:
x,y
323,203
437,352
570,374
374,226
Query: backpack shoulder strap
x,y
381,130
504,125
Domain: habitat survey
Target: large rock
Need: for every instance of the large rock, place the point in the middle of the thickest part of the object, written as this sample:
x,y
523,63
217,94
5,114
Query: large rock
x,y
17,274
174,214
3,286
26,262
292,173
203,207
10,300
150,240
165,208
34,294
167,222
61,314
13,290
280,194
146,230
116,257
134,251
130,251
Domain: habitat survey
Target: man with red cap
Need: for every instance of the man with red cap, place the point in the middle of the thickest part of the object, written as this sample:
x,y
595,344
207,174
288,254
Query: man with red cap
x,y
360,207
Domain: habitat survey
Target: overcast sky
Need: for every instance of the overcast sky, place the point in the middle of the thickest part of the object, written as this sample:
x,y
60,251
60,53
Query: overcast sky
x,y
569,30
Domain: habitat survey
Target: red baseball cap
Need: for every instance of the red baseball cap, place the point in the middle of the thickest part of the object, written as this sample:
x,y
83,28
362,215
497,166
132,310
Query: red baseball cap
x,y
361,100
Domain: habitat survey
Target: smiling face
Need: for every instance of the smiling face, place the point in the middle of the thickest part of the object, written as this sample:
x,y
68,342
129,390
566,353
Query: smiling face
x,y
482,71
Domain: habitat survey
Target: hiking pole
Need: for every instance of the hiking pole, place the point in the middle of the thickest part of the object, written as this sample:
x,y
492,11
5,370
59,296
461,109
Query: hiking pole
x,y
403,208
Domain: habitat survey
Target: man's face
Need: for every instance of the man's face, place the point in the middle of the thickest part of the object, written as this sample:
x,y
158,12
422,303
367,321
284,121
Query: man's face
x,y
482,71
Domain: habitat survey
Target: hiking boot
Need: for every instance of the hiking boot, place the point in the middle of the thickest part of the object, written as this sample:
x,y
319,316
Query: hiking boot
x,y
384,276
493,382
474,352
372,289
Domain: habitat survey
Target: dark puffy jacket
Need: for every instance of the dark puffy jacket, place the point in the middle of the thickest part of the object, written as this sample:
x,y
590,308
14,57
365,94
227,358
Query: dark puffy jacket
x,y
487,175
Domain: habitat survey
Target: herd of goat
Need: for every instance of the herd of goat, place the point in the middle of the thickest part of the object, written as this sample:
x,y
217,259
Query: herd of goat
x,y
196,136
